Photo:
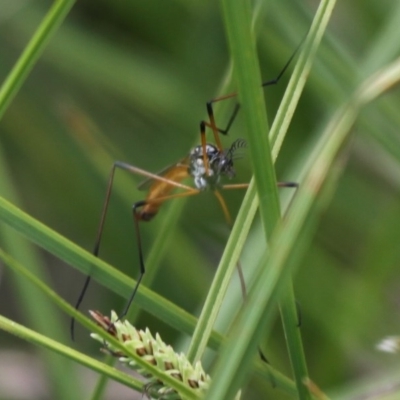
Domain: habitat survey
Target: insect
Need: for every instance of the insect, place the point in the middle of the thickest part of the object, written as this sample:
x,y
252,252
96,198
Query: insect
x,y
207,165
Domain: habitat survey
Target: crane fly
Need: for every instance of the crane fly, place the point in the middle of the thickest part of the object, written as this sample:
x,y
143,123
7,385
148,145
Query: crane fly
x,y
207,164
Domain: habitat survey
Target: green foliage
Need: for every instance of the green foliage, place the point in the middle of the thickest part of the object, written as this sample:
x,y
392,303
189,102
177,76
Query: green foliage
x,y
129,81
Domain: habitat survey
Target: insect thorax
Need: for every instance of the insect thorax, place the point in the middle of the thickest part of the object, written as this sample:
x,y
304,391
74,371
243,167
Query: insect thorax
x,y
219,164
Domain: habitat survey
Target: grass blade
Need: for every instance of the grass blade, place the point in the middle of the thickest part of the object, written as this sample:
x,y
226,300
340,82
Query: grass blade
x,y
248,77
89,264
32,52
45,342
39,339
293,236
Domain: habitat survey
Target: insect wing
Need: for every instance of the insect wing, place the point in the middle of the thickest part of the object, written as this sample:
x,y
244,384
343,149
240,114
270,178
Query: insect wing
x,y
146,184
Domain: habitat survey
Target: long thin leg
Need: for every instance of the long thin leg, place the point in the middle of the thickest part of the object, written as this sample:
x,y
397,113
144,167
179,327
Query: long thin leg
x,y
96,245
210,112
246,185
136,219
288,184
134,170
204,144
141,258
79,301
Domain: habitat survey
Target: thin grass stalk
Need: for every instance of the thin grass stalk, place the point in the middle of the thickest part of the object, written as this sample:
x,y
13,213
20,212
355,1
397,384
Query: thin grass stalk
x,y
51,22
47,343
241,42
383,48
84,261
277,133
220,284
293,236
225,268
338,69
105,274
288,306
154,371
300,74
248,76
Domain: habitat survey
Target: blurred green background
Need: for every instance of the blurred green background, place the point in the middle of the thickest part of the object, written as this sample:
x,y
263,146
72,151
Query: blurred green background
x,y
129,81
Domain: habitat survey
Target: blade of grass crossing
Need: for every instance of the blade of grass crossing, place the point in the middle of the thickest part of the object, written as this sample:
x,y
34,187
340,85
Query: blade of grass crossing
x,y
293,236
300,74
242,46
278,131
93,327
45,342
103,272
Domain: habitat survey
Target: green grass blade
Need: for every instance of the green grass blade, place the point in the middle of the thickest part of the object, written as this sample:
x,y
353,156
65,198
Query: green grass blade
x,y
100,271
246,69
383,48
107,275
101,159
293,237
248,78
300,74
32,52
219,286
288,307
278,131
222,278
38,339
105,155
50,344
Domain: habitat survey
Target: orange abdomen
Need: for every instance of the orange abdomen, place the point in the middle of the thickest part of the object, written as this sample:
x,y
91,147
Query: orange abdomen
x,y
160,190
